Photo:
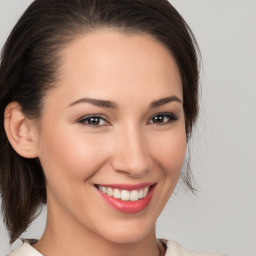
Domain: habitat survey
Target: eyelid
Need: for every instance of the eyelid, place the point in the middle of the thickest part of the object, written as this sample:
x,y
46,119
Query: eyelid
x,y
170,115
83,119
172,118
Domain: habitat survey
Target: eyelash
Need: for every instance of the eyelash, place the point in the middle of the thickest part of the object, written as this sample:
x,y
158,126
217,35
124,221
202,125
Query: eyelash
x,y
86,119
170,116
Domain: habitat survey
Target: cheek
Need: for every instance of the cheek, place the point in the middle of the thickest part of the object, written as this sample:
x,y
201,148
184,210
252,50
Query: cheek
x,y
71,156
170,151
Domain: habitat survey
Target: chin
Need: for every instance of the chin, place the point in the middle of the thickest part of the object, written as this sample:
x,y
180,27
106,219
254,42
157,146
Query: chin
x,y
125,238
130,234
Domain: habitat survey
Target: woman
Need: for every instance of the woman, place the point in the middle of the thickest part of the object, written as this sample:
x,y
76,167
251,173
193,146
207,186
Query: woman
x,y
97,100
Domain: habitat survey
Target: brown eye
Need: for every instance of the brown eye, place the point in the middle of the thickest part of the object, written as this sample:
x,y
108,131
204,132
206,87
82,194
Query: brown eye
x,y
93,121
163,119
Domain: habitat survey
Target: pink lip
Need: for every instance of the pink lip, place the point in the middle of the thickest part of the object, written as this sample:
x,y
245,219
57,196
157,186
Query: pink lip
x,y
129,206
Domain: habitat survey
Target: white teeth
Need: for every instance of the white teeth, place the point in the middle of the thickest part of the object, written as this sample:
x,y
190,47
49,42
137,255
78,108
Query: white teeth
x,y
104,189
109,191
125,195
141,192
134,195
145,191
117,193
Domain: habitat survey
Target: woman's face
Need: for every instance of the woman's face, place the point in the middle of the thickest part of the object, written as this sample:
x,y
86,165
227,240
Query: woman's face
x,y
113,127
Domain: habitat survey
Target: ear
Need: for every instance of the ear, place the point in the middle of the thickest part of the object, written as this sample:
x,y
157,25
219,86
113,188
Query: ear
x,y
20,131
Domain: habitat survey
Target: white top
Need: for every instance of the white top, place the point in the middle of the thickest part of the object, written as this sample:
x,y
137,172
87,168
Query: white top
x,y
173,249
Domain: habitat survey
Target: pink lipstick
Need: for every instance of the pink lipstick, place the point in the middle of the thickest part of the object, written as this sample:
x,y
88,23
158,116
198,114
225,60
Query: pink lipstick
x,y
127,198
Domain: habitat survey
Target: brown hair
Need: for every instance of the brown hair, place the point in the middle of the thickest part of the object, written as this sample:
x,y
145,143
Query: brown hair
x,y
29,64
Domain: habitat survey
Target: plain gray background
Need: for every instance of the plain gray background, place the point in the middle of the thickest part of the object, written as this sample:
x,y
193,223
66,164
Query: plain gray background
x,y
222,218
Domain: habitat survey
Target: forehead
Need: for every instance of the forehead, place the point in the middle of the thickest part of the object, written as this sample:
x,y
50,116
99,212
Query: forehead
x,y
112,64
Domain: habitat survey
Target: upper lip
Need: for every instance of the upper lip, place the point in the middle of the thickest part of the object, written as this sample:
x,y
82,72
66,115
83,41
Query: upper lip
x,y
128,187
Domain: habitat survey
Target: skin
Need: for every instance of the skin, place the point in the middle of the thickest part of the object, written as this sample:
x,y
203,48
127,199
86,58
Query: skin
x,y
126,147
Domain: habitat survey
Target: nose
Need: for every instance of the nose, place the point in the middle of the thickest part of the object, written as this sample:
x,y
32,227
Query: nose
x,y
131,154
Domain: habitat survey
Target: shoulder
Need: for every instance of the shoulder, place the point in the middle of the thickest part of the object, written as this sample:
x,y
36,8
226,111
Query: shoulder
x,y
25,250
175,249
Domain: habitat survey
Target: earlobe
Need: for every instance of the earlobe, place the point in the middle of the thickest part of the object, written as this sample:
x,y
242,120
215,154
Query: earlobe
x,y
19,131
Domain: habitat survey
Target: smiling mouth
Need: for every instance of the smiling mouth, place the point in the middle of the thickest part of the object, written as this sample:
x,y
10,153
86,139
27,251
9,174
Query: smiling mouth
x,y
127,198
125,195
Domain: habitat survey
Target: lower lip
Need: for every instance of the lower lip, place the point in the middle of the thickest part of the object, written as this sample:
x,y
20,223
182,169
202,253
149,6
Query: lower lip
x,y
129,206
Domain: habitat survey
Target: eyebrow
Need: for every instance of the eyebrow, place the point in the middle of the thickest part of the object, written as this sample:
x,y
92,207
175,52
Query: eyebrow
x,y
96,102
113,105
164,101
